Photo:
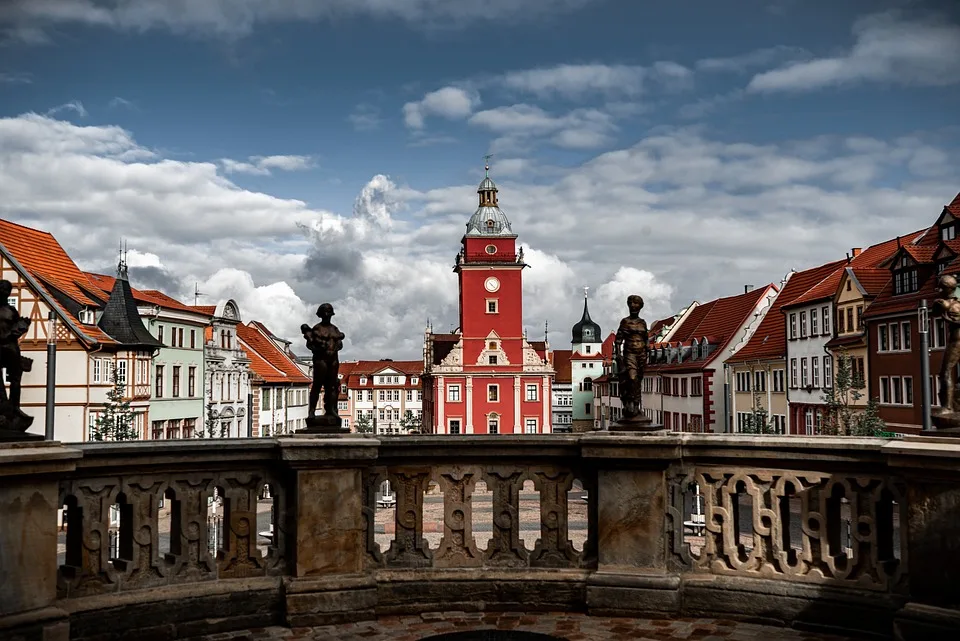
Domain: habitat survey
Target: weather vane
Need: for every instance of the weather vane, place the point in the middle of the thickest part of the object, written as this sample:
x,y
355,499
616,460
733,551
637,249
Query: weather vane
x,y
585,290
486,163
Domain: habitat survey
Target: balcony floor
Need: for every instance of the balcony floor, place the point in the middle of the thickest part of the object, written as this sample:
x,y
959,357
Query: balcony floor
x,y
572,627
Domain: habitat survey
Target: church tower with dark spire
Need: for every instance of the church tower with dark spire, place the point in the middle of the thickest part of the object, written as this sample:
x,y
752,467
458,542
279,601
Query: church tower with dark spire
x,y
586,364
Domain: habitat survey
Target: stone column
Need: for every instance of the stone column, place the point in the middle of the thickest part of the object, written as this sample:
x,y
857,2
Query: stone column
x,y
632,575
468,404
440,395
330,582
29,495
517,419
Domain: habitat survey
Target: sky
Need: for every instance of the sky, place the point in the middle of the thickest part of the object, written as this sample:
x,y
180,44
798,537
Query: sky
x,y
289,153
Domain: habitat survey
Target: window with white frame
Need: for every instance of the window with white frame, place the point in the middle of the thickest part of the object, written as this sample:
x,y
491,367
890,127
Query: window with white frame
x,y
939,333
122,372
492,306
363,381
98,376
778,380
803,324
814,325
453,393
825,320
894,331
532,393
779,423
793,372
808,422
530,426
803,372
883,340
493,392
905,337
696,386
815,370
493,424
453,425
828,371
743,381
793,325
760,381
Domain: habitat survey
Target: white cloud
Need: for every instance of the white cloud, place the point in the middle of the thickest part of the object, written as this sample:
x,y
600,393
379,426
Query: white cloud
x,y
759,58
676,216
74,105
239,17
580,80
888,49
365,117
452,103
261,165
15,78
117,101
577,129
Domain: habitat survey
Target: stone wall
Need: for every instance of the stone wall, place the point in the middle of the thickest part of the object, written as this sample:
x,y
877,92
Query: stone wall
x,y
841,534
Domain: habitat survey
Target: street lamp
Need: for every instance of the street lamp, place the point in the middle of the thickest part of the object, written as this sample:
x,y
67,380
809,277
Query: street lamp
x,y
51,375
923,320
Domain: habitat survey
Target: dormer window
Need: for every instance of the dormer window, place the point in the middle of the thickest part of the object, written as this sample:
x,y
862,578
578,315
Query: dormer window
x,y
363,380
948,232
87,316
490,224
905,276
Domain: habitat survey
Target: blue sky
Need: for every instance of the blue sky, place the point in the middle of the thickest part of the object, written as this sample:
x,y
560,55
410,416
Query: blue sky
x,y
346,137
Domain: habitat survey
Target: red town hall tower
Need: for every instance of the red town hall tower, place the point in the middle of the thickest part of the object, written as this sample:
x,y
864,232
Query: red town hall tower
x,y
486,378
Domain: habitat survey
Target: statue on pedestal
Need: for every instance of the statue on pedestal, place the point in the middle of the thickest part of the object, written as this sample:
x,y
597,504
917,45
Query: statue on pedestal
x,y
325,341
947,306
13,422
630,355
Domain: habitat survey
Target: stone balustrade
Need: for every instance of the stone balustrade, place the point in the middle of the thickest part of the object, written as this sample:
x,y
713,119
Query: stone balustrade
x,y
849,534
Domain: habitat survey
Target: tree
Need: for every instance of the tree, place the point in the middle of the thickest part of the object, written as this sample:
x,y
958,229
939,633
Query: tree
x,y
842,419
115,422
758,420
364,425
211,426
411,422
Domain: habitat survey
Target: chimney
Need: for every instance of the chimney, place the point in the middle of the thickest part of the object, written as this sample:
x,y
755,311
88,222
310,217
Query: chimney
x,y
747,288
855,251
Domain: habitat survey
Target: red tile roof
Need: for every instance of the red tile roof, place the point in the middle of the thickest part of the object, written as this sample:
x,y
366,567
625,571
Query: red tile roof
x,y
718,320
281,368
368,369
41,255
824,289
205,309
770,338
561,363
871,279
921,254
954,206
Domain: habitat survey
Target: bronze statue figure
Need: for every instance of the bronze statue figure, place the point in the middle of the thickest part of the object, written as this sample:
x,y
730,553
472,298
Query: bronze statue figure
x,y
325,341
630,352
948,306
12,364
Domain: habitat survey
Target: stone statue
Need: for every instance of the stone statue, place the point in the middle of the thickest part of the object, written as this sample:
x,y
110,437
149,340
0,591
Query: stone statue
x,y
325,341
12,364
948,307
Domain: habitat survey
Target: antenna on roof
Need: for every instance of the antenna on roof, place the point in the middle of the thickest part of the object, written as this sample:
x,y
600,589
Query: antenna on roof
x,y
196,293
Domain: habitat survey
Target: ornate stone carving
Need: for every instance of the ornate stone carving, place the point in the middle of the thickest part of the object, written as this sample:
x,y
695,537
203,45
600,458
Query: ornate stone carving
x,y
505,548
830,508
554,549
409,549
455,358
457,547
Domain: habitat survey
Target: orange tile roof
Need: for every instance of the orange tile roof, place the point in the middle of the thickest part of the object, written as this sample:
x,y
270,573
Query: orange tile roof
x,y
770,338
561,364
824,289
282,368
41,255
921,254
719,321
205,309
954,206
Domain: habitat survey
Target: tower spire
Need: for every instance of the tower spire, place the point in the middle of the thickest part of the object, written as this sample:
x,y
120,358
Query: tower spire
x,y
486,165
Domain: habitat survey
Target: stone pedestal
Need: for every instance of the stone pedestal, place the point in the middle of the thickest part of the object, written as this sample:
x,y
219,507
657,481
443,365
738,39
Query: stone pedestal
x,y
325,424
14,425
638,423
29,492
945,424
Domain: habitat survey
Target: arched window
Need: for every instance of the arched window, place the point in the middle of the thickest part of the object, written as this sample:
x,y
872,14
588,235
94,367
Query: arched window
x,y
588,384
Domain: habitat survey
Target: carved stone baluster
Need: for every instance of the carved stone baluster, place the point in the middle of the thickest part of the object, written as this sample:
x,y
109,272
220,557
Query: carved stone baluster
x,y
785,558
276,559
240,556
716,520
457,547
372,479
189,553
409,548
679,553
94,573
554,548
736,554
505,548
835,557
765,515
141,562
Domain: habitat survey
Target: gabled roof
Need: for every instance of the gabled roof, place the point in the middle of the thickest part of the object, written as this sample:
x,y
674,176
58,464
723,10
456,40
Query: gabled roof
x,y
260,349
954,206
561,364
717,320
870,279
368,369
770,338
209,310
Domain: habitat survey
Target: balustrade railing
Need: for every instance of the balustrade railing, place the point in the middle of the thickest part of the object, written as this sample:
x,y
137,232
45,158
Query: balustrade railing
x,y
605,523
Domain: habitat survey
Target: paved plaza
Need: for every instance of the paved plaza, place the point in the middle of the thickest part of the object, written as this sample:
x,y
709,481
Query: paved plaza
x,y
569,627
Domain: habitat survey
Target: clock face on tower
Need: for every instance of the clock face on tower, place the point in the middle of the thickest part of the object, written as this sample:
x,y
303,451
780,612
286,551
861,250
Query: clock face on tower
x,y
491,284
